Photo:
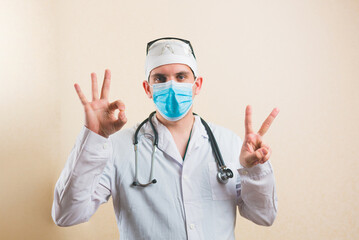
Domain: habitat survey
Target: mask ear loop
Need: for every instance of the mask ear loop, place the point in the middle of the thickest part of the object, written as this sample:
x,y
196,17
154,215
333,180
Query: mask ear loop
x,y
194,84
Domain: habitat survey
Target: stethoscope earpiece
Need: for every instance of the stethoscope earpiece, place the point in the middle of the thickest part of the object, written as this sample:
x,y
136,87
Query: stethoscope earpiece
x,y
138,184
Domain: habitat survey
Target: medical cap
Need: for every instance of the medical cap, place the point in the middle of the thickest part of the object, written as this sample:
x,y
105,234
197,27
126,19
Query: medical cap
x,y
167,51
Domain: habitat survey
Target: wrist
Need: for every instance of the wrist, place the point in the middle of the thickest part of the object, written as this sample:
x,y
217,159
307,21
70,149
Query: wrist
x,y
243,163
101,133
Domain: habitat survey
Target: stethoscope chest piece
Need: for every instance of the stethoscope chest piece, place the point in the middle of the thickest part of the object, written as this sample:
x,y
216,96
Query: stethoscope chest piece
x,y
224,174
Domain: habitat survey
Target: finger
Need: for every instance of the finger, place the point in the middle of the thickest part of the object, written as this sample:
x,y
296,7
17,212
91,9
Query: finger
x,y
248,120
266,157
94,86
80,94
261,153
250,147
121,120
106,84
263,145
266,124
257,156
116,105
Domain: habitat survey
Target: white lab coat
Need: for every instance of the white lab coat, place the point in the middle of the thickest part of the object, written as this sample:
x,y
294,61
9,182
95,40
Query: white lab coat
x,y
187,202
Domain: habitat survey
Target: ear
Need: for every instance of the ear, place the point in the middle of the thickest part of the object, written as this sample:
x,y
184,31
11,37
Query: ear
x,y
198,85
147,88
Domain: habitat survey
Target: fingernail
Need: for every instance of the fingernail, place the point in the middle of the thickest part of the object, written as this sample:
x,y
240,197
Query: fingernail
x,y
264,151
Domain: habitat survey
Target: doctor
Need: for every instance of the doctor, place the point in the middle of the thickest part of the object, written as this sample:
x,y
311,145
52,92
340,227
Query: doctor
x,y
170,190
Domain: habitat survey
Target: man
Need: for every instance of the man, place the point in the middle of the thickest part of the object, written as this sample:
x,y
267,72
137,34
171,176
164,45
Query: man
x,y
189,193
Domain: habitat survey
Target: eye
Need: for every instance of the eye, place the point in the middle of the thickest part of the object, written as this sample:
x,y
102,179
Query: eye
x,y
181,77
159,79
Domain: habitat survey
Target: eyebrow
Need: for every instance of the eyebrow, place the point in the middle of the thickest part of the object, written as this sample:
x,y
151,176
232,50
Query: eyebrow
x,y
182,73
158,75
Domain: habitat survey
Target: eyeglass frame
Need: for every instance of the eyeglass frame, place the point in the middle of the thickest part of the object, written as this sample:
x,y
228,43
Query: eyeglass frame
x,y
149,44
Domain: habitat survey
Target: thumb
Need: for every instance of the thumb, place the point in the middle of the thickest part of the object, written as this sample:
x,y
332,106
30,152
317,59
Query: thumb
x,y
257,156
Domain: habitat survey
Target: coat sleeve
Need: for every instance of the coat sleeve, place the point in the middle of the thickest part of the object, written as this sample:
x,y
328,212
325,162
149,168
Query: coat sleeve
x,y
256,194
85,181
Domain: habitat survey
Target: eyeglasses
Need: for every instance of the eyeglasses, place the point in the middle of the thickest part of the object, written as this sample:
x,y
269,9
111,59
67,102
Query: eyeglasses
x,y
170,38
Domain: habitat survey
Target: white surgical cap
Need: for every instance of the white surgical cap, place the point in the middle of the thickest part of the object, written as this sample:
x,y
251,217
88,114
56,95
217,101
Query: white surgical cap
x,y
169,51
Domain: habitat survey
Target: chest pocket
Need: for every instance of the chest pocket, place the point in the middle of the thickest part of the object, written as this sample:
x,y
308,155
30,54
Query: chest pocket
x,y
221,191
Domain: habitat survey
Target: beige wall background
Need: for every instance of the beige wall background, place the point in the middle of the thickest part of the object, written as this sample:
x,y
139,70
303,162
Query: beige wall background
x,y
300,56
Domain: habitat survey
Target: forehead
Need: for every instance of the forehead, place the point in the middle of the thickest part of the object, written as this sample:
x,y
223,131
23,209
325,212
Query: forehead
x,y
169,69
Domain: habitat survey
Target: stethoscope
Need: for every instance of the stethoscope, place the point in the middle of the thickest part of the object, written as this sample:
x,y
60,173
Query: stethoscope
x,y
223,174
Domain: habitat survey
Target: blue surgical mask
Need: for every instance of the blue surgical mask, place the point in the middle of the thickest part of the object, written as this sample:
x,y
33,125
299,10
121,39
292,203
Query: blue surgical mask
x,y
173,100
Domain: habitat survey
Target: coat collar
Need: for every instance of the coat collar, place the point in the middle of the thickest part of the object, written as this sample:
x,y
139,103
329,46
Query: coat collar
x,y
167,144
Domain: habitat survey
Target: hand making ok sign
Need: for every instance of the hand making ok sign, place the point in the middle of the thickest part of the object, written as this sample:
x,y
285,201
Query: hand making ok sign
x,y
254,151
100,114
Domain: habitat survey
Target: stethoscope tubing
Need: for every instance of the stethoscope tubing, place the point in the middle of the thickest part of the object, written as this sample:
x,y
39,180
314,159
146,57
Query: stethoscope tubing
x,y
155,144
223,175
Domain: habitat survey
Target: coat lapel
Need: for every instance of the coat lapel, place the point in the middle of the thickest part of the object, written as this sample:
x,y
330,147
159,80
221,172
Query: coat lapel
x,y
167,144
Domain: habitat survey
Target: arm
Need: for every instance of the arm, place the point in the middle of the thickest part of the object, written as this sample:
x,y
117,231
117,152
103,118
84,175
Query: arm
x,y
257,198
85,182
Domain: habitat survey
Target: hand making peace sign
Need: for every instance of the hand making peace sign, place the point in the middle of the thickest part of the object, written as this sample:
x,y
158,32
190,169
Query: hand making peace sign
x,y
254,151
99,114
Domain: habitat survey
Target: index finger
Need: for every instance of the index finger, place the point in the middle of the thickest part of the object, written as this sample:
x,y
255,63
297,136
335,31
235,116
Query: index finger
x,y
106,84
266,124
80,94
248,120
